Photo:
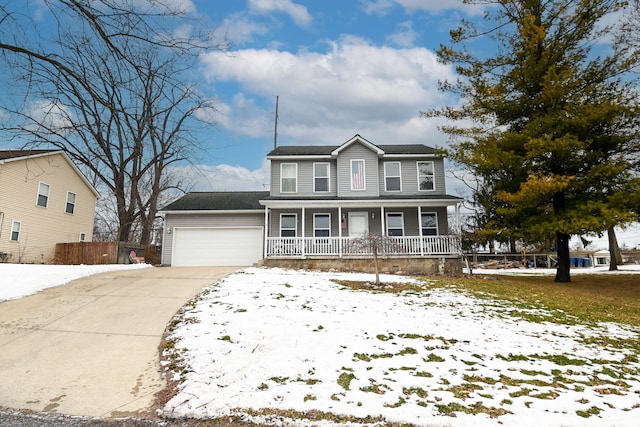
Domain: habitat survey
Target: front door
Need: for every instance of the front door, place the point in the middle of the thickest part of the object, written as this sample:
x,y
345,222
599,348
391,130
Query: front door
x,y
358,224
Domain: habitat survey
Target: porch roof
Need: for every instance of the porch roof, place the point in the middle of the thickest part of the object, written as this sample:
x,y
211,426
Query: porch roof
x,y
395,201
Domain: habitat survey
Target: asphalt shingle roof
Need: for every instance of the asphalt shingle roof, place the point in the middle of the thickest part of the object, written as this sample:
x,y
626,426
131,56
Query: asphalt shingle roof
x,y
12,154
215,201
325,150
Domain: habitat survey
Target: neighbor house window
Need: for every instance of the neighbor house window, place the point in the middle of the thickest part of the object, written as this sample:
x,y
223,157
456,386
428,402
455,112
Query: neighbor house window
x,y
321,225
83,237
392,176
429,224
357,175
289,177
395,224
43,195
321,177
288,224
15,230
71,203
425,176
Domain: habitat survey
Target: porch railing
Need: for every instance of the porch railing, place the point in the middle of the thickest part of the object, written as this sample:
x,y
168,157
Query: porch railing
x,y
348,246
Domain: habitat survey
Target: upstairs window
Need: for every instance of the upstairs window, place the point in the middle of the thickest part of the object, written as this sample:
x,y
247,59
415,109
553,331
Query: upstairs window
x,y
43,195
392,180
289,177
288,224
425,176
395,224
15,230
429,224
321,177
357,175
70,208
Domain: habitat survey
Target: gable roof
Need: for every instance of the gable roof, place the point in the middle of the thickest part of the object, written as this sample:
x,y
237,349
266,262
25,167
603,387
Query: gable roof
x,y
218,201
17,155
333,150
358,139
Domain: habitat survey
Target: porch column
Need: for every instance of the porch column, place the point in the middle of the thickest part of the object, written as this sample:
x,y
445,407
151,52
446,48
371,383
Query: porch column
x,y
382,230
266,230
303,233
340,231
420,230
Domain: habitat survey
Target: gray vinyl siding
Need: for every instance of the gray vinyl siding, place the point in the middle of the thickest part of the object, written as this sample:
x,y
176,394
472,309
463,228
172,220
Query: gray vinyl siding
x,y
356,152
411,226
252,219
409,176
304,178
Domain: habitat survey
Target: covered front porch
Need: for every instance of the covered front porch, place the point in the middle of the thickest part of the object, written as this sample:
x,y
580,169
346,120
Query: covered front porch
x,y
358,228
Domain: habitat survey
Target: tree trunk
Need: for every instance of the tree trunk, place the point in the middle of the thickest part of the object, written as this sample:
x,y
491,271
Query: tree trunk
x,y
563,272
614,250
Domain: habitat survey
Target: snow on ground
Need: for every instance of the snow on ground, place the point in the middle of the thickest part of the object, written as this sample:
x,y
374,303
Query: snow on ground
x,y
622,269
19,280
271,339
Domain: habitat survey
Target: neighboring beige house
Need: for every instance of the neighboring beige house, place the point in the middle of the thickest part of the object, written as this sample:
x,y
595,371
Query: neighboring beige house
x,y
44,200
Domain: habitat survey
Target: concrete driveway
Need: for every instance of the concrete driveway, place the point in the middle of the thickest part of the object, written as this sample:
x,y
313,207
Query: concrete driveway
x,y
90,347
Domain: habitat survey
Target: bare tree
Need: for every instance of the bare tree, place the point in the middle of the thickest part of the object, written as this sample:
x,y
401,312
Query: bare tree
x,y
111,88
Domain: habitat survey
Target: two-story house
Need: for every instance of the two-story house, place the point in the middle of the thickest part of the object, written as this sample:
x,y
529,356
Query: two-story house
x,y
322,201
44,200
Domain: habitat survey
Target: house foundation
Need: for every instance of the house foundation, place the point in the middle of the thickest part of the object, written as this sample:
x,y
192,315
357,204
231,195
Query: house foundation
x,y
409,266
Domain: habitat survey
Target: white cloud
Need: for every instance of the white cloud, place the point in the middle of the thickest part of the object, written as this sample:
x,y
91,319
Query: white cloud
x,y
326,97
433,5
224,177
376,7
405,36
298,13
239,29
382,7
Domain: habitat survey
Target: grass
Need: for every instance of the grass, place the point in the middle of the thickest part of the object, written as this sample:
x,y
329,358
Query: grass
x,y
590,297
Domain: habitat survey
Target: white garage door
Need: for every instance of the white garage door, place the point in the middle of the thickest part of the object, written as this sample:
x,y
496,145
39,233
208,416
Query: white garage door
x,y
217,246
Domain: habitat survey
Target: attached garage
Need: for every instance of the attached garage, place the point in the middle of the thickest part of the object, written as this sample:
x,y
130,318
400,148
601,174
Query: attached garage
x,y
195,247
214,229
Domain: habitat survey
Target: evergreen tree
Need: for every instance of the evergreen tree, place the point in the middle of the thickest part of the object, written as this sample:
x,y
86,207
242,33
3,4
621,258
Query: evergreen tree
x,y
554,114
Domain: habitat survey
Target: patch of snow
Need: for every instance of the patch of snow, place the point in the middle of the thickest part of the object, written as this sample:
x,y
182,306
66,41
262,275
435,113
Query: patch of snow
x,y
19,280
294,340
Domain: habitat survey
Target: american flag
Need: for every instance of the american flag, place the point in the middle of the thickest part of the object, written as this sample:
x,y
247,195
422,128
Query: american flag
x,y
357,175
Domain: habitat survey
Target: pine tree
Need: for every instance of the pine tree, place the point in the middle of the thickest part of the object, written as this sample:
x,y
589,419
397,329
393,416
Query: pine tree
x,y
555,117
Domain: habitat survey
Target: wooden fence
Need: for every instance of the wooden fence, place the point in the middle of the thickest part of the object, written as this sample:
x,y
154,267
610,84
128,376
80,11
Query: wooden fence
x,y
91,253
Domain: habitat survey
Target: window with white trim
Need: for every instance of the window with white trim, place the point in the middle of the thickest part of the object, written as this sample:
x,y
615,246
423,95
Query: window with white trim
x,y
358,181
289,177
70,207
425,176
429,224
15,230
83,237
288,225
395,224
321,225
43,195
392,181
321,177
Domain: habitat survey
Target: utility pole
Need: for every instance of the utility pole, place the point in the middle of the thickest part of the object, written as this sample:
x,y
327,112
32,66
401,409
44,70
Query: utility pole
x,y
275,127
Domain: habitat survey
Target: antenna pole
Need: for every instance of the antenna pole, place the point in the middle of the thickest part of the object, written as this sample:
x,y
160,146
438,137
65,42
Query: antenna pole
x,y
275,127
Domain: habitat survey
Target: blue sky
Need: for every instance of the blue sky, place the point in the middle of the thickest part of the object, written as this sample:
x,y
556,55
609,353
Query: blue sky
x,y
339,68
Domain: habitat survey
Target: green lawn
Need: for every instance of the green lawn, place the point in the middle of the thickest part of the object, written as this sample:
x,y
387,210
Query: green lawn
x,y
591,297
